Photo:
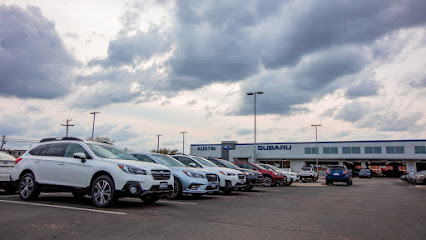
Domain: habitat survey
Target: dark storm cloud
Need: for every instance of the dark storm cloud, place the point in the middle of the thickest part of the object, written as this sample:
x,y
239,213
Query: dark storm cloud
x,y
363,89
131,50
33,60
294,51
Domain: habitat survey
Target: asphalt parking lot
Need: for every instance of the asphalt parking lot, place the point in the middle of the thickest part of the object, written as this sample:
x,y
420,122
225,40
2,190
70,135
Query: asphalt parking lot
x,y
378,208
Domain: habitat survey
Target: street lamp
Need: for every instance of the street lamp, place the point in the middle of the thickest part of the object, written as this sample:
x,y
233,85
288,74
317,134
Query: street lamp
x,y
254,146
183,144
316,140
93,128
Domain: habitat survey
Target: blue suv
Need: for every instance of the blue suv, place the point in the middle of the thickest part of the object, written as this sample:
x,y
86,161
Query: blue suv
x,y
338,173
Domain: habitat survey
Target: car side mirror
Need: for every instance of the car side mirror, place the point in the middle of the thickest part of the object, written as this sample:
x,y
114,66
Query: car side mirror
x,y
80,155
192,165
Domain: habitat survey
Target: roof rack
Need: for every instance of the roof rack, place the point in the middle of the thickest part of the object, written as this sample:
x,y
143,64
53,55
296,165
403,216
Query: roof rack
x,y
60,139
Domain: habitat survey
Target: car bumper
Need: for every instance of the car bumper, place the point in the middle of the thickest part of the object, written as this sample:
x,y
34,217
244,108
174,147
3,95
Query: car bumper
x,y
337,178
135,189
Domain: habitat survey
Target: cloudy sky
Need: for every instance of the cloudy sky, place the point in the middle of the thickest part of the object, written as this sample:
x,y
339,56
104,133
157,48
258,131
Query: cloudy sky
x,y
163,67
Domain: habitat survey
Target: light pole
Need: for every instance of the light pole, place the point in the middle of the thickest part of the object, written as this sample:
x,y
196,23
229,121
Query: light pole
x,y
93,128
316,140
183,144
254,145
158,142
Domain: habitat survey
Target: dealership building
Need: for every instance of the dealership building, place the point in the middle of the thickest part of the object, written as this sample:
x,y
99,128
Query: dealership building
x,y
380,156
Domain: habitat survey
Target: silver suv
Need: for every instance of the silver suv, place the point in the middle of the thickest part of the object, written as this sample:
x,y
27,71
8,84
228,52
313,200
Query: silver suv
x,y
84,168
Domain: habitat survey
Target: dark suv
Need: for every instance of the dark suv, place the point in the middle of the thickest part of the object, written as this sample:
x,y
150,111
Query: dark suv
x,y
253,178
338,173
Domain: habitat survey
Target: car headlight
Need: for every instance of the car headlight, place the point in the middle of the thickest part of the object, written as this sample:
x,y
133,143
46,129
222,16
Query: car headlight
x,y
193,174
132,170
227,173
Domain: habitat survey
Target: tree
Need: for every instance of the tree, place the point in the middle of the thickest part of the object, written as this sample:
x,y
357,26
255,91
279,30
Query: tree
x,y
101,139
166,151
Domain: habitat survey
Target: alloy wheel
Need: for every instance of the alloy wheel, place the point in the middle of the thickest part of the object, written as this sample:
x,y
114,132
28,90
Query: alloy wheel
x,y
102,192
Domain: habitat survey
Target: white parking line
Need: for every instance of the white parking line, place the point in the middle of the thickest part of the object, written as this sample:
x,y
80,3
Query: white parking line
x,y
64,207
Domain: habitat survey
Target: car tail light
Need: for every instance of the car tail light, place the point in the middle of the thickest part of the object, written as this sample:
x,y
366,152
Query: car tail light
x,y
345,172
17,160
328,172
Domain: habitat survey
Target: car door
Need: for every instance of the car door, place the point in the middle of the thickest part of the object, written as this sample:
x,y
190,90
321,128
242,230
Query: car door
x,y
48,161
74,171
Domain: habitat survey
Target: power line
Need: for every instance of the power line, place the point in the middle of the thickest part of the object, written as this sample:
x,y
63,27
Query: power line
x,y
68,125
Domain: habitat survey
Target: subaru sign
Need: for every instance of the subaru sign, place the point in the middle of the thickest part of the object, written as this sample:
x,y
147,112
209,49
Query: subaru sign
x,y
227,147
274,147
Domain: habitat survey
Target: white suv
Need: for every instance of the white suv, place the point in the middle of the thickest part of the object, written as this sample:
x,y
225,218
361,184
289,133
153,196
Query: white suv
x,y
308,172
100,170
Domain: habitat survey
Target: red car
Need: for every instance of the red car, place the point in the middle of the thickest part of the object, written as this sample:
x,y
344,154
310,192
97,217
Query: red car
x,y
272,178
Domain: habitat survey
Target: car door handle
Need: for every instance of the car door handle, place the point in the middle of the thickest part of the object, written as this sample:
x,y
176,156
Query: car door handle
x,y
61,163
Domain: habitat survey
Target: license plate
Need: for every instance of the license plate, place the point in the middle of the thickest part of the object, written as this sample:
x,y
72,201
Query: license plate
x,y
163,185
242,181
336,174
213,185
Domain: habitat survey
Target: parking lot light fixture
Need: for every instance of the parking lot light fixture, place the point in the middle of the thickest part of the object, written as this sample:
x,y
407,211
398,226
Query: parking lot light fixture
x,y
254,144
93,128
316,141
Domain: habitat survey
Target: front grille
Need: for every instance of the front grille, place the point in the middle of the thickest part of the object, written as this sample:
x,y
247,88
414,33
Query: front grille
x,y
240,176
160,174
211,177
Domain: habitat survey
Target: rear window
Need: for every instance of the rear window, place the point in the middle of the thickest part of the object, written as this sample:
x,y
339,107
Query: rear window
x,y
337,168
40,150
306,168
365,170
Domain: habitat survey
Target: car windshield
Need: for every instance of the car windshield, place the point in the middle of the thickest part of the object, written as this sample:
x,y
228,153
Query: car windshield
x,y
257,165
271,167
365,170
167,161
205,162
306,169
104,151
228,164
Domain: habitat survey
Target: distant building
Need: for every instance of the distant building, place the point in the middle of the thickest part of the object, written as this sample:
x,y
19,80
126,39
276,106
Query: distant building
x,y
379,156
15,153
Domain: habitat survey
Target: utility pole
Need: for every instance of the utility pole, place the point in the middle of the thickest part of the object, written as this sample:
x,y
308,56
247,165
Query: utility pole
x,y
316,141
254,144
68,125
2,142
183,144
93,128
158,142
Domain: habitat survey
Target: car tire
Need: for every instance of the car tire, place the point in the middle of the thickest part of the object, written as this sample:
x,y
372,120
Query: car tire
x,y
268,182
288,183
103,191
248,188
150,199
28,187
177,190
327,182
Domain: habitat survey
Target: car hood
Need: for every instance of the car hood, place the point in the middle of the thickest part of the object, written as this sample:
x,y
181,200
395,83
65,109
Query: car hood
x,y
223,169
136,163
191,169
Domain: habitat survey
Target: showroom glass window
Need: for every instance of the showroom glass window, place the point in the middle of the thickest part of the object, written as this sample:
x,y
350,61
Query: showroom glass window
x,y
393,150
420,149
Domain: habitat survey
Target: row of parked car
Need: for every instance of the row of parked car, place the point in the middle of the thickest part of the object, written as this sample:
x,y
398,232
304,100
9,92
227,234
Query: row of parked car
x,y
415,178
107,173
